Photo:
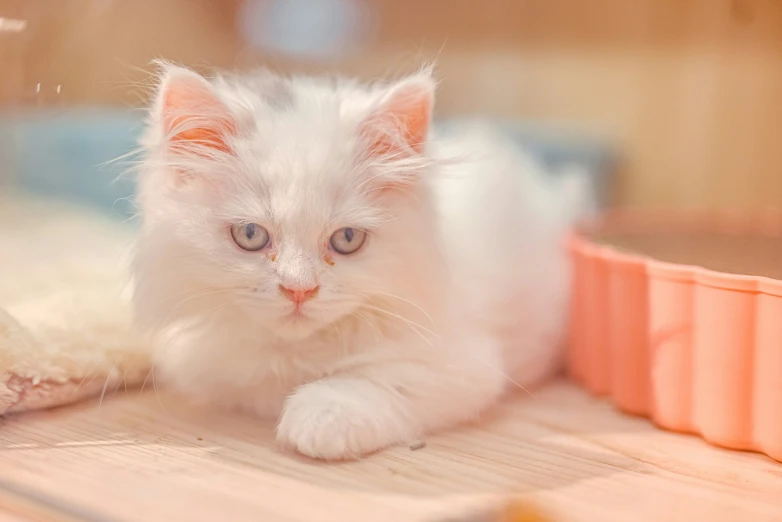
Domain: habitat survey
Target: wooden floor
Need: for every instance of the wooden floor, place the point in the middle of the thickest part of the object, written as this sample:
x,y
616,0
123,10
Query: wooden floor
x,y
146,457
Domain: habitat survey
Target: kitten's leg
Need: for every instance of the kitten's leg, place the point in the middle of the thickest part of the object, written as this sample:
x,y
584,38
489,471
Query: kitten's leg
x,y
379,404
208,365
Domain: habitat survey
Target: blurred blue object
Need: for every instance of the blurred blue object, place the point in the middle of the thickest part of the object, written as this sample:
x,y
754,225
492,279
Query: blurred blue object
x,y
557,148
69,154
316,29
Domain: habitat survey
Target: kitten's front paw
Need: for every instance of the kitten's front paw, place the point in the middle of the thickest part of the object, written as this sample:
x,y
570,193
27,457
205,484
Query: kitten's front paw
x,y
337,419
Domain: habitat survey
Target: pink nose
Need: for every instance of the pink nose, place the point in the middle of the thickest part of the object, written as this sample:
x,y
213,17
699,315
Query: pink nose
x,y
299,295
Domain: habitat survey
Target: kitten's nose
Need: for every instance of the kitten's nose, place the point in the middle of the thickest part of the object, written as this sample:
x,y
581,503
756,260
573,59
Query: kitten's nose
x,y
299,295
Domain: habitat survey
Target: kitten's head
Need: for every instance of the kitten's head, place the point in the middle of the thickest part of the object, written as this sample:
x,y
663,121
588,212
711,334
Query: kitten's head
x,y
289,202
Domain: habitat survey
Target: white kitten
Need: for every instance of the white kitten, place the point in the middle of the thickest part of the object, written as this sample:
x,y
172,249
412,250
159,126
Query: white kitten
x,y
310,250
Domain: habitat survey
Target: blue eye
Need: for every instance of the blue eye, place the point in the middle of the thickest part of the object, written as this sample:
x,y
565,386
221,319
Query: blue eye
x,y
250,236
347,240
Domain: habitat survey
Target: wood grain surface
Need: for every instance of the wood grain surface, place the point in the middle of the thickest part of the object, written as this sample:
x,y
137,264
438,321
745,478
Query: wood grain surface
x,y
147,457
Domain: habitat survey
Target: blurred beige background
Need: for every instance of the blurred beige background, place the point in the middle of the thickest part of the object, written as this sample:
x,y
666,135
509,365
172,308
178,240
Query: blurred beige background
x,y
690,90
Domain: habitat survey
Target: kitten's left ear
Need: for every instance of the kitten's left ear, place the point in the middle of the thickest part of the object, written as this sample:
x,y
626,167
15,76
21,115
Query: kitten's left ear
x,y
402,117
191,113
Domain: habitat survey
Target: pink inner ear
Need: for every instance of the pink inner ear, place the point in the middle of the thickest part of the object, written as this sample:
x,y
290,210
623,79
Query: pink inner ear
x,y
193,114
403,119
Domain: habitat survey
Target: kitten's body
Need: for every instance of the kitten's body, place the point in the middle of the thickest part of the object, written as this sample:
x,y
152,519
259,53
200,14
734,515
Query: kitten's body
x,y
459,292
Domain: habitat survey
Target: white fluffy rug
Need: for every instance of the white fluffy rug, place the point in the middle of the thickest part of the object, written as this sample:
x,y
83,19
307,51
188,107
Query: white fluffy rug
x,y
64,317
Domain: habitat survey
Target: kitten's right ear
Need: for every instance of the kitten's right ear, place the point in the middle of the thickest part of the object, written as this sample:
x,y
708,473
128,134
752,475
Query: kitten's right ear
x,y
403,116
192,116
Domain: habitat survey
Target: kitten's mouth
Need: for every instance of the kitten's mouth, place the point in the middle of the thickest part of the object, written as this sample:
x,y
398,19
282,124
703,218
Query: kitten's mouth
x,y
297,315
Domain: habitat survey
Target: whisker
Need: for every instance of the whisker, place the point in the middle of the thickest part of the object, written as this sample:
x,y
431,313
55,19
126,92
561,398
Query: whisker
x,y
133,152
196,296
90,374
501,373
339,335
371,325
402,318
144,384
406,301
106,385
157,395
125,382
412,325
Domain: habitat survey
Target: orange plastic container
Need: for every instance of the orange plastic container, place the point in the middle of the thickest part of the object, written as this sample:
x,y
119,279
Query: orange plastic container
x,y
695,349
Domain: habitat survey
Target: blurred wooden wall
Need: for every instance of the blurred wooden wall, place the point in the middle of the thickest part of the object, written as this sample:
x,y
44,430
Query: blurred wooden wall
x,y
690,90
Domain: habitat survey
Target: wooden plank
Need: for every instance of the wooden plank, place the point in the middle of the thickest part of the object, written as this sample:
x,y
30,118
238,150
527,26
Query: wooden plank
x,y
148,457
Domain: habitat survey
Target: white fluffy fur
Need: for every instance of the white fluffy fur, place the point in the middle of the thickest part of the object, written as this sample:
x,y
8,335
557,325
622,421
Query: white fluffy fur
x,y
65,323
458,294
